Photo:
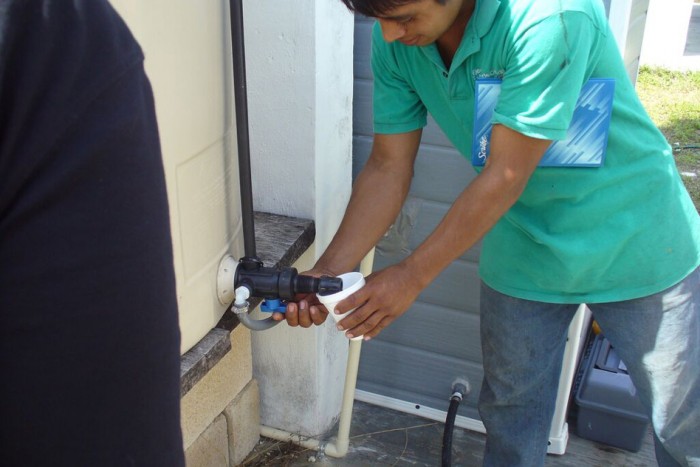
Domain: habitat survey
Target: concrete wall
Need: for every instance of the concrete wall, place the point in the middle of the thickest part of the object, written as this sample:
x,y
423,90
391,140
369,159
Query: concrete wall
x,y
299,69
221,413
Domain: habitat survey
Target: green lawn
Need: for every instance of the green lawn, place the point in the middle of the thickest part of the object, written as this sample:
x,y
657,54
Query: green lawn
x,y
672,99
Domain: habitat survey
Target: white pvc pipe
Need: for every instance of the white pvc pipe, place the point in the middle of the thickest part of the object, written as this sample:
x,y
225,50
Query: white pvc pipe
x,y
338,448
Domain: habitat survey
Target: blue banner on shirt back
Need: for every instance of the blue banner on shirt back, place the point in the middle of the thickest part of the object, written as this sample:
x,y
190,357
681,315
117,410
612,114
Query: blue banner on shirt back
x,y
586,139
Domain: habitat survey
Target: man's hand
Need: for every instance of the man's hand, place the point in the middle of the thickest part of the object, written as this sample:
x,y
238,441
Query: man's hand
x,y
305,310
386,296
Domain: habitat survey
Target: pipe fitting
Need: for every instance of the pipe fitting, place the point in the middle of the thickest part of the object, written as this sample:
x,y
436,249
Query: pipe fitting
x,y
225,288
460,388
241,309
242,295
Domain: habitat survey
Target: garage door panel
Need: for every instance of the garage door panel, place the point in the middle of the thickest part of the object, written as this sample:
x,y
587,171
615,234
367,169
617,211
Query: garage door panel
x,y
456,287
363,48
362,108
397,371
442,330
430,215
440,174
417,358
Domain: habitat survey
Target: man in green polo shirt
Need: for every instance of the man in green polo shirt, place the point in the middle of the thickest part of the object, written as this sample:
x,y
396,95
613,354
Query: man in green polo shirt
x,y
623,237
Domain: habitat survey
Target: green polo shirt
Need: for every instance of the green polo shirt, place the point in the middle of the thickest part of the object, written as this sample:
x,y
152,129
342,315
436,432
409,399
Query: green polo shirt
x,y
621,231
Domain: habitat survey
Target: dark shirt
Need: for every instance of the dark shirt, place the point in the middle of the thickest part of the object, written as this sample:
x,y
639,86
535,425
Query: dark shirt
x,y
89,338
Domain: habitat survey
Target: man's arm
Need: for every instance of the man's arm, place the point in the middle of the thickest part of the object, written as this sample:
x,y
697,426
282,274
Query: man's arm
x,y
390,292
377,196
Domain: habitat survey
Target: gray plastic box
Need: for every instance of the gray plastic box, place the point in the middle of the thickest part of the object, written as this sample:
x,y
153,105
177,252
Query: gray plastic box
x,y
609,410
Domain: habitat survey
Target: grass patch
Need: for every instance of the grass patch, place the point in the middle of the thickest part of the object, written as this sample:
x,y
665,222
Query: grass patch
x,y
672,99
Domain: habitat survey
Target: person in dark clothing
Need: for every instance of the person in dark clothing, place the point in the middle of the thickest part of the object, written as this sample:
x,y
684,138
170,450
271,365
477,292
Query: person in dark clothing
x,y
89,336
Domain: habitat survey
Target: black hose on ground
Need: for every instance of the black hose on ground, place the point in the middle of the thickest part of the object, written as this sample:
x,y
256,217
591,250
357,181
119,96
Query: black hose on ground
x,y
460,388
449,428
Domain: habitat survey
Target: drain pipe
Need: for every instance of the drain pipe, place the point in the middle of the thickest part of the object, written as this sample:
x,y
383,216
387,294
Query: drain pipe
x,y
338,448
241,105
240,308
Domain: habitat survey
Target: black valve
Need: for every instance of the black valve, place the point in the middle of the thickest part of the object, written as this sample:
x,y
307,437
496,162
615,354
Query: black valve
x,y
281,283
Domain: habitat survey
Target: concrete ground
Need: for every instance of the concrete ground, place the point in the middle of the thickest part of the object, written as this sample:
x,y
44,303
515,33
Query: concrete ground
x,y
381,437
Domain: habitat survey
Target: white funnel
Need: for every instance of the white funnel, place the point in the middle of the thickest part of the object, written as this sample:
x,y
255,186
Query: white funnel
x,y
352,282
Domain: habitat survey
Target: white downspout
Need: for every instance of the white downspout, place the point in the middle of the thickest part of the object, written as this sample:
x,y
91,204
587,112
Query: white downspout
x,y
338,448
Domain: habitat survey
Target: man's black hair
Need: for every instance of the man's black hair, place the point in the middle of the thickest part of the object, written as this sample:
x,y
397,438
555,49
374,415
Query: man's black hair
x,y
377,8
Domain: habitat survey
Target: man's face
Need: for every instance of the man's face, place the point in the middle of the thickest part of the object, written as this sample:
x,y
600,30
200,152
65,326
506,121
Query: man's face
x,y
419,23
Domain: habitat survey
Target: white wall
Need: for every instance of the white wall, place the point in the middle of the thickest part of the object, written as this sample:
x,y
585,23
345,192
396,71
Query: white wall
x,y
628,22
666,32
299,70
334,85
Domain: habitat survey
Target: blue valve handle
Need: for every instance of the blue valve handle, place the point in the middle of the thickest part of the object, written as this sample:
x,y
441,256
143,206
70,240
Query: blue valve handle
x,y
270,305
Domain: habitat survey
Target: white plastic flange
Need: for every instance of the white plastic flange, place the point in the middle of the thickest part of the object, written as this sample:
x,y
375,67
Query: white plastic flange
x,y
225,288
